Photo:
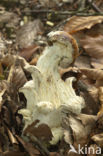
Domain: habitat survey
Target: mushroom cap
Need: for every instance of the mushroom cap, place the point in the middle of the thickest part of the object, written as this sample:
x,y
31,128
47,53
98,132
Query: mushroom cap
x,y
64,38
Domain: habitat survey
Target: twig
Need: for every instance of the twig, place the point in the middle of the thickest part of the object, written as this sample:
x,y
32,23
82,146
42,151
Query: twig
x,y
94,6
43,149
77,13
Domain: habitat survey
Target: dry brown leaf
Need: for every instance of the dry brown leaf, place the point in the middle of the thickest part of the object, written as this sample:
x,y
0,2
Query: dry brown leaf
x,y
91,98
77,23
16,76
94,47
42,131
94,74
9,60
79,128
28,52
82,62
97,63
29,32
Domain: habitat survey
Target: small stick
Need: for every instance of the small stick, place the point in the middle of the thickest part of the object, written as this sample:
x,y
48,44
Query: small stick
x,y
94,6
76,13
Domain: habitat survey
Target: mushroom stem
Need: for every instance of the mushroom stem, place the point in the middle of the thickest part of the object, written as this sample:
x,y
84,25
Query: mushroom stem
x,y
47,94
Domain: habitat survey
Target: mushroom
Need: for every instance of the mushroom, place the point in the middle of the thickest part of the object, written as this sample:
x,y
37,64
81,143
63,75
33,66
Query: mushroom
x,y
48,96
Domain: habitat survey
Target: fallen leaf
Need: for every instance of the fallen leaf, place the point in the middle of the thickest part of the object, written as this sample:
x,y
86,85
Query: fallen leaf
x,y
42,131
94,74
28,52
77,23
28,33
82,62
94,47
79,128
97,63
91,98
9,60
16,76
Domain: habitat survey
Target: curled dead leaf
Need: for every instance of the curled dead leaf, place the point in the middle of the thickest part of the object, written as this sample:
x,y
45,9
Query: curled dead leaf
x,y
77,23
16,76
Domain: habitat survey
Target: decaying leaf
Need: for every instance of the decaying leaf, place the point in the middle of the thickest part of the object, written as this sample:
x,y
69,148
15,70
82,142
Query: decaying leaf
x,y
82,62
94,47
79,128
9,60
28,33
48,96
94,74
91,98
77,23
16,76
42,132
28,52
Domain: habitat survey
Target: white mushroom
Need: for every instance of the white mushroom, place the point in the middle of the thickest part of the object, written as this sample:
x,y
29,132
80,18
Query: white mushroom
x,y
47,94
